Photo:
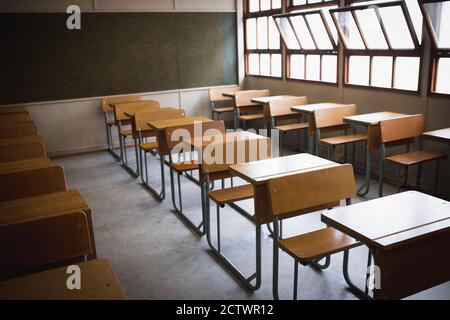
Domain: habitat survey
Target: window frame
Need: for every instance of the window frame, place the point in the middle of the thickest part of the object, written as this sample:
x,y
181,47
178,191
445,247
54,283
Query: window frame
x,y
320,52
247,52
435,52
417,51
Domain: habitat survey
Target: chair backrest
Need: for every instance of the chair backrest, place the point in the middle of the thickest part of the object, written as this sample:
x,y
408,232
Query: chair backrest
x,y
175,135
331,117
14,117
31,183
144,117
14,109
243,98
216,94
402,128
16,130
29,245
218,156
283,107
314,189
133,107
107,100
23,151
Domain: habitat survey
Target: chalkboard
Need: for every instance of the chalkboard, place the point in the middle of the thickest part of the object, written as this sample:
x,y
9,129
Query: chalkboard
x,y
113,53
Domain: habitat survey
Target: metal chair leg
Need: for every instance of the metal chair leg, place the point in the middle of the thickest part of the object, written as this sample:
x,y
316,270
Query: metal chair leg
x,y
436,180
158,195
295,279
360,293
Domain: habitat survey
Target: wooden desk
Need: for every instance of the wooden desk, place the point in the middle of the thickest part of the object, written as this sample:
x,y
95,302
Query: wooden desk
x,y
409,236
372,123
266,100
258,173
98,282
22,165
47,204
20,140
201,142
14,118
442,135
17,109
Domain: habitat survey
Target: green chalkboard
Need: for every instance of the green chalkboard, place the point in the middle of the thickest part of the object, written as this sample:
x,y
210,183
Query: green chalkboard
x,y
113,53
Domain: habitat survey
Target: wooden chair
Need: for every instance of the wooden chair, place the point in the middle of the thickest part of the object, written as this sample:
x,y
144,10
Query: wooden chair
x,y
143,131
186,161
16,130
16,152
298,194
122,119
98,283
242,152
281,110
220,104
14,109
14,117
108,113
246,110
31,183
20,140
331,120
36,244
403,131
24,165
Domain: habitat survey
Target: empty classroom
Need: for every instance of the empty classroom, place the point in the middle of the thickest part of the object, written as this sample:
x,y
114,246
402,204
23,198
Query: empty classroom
x,y
245,150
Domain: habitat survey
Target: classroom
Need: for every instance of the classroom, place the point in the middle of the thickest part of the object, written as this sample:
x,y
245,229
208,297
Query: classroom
x,y
241,150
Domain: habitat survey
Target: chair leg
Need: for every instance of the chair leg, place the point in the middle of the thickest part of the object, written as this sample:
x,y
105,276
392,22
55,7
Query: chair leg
x,y
436,180
419,173
380,189
295,280
399,172
281,144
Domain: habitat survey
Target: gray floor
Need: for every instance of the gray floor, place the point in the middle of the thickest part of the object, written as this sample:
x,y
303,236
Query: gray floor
x,y
156,256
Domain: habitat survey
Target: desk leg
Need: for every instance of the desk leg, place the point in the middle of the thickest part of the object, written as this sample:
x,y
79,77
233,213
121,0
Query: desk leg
x,y
364,189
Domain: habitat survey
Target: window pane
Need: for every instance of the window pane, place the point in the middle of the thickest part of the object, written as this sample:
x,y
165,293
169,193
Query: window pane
x,y
298,2
302,32
253,5
382,72
251,33
371,29
348,27
407,73
276,65
329,68
439,14
274,36
313,67
265,5
253,64
297,66
330,23
314,1
287,33
396,27
358,72
264,64
443,76
262,33
319,31
276,4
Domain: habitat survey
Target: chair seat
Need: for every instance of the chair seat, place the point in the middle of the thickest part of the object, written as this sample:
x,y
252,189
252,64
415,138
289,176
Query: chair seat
x,y
223,109
248,117
184,166
415,157
149,146
317,244
126,133
334,141
233,194
292,126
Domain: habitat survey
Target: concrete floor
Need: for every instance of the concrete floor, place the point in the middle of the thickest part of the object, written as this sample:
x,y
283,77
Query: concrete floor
x,y
156,256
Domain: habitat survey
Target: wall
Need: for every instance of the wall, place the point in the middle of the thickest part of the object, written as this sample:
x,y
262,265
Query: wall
x,y
74,126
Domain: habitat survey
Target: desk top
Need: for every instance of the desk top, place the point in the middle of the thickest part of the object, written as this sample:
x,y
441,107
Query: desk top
x,y
17,109
20,140
374,118
22,165
163,124
37,206
310,108
392,221
265,100
259,172
200,142
98,282
441,135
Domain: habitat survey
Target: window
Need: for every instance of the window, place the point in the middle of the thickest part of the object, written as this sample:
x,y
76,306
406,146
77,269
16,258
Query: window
x,y
311,41
382,41
437,18
262,39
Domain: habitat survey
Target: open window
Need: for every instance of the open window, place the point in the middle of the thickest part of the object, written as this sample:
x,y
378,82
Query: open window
x,y
311,42
262,40
437,19
382,48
